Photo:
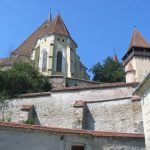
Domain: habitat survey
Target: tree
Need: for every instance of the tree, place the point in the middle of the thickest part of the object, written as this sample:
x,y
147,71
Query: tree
x,y
109,71
21,78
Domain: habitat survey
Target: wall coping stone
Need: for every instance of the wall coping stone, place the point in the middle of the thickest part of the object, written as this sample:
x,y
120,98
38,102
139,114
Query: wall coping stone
x,y
33,94
98,86
84,80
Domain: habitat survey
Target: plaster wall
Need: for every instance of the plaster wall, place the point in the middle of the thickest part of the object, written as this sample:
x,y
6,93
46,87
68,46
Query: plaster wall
x,y
145,102
142,67
52,44
12,139
130,77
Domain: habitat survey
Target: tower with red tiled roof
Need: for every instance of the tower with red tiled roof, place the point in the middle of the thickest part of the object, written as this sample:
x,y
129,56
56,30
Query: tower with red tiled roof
x,y
53,50
137,58
115,58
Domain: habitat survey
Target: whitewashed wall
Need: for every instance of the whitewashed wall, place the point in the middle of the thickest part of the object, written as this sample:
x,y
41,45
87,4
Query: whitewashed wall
x,y
145,102
16,139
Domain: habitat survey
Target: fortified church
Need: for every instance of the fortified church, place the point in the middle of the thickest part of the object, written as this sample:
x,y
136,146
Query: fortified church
x,y
94,113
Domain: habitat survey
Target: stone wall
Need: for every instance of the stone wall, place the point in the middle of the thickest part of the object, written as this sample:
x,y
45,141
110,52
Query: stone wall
x,y
108,109
79,82
28,139
137,116
114,115
57,81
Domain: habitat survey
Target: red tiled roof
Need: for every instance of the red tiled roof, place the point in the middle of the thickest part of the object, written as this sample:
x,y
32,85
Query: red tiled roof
x,y
115,58
56,26
7,61
69,131
97,86
137,40
1,59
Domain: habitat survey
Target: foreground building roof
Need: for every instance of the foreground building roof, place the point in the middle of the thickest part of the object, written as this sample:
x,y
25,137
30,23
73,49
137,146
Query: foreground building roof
x,y
69,131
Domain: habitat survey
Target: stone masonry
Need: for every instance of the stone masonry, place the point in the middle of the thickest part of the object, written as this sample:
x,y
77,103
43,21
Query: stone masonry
x,y
104,109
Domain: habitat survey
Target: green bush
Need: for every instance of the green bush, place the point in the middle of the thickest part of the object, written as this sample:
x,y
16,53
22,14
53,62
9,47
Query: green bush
x,y
20,79
29,121
109,71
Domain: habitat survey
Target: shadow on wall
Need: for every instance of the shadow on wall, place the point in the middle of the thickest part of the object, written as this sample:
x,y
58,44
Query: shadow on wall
x,y
88,120
36,118
138,127
28,115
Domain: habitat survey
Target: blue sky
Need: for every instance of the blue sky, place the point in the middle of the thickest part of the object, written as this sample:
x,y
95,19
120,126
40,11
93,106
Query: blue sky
x,y
97,26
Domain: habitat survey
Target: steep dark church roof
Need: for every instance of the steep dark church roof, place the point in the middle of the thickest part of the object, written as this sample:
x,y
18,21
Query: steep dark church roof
x,y
137,40
56,26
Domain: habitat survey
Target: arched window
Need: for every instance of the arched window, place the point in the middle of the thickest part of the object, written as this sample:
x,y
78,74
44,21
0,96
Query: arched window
x,y
44,63
59,62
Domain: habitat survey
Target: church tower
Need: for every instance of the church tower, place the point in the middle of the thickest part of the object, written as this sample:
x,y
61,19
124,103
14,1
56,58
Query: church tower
x,y
137,59
53,50
56,50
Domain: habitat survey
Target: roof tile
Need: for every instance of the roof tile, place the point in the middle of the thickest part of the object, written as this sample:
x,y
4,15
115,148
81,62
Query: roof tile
x,y
137,40
69,131
7,61
56,26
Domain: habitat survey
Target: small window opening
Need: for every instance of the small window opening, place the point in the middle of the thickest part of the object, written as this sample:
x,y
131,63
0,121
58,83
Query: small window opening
x,y
59,62
58,39
63,40
77,147
44,63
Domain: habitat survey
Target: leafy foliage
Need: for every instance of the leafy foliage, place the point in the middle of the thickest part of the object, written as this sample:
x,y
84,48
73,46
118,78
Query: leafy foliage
x,y
29,121
21,78
109,71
